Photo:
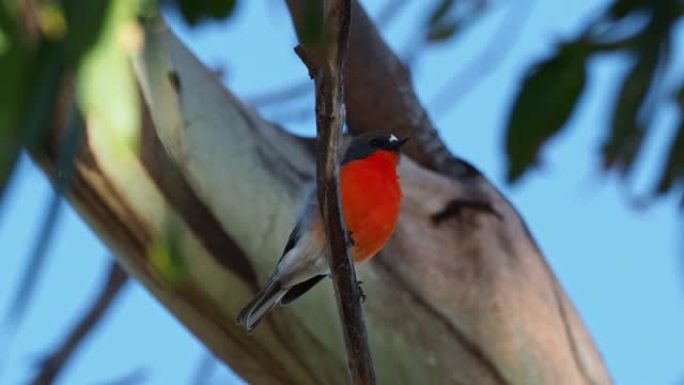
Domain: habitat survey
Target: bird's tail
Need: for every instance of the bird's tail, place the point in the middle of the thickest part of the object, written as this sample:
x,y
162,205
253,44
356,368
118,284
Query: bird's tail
x,y
264,301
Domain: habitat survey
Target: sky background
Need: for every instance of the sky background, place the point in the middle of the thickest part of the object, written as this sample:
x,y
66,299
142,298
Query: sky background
x,y
622,266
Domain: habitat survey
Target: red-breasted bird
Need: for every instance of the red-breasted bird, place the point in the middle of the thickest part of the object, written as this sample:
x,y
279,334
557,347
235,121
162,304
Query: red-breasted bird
x,y
371,195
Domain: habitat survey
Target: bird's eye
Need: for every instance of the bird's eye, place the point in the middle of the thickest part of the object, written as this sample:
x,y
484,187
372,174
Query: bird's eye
x,y
374,143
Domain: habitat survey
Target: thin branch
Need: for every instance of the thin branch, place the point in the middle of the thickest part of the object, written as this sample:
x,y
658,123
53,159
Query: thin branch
x,y
36,259
204,369
326,65
52,366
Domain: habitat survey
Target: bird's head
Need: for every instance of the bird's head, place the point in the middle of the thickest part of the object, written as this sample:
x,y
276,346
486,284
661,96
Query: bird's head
x,y
372,143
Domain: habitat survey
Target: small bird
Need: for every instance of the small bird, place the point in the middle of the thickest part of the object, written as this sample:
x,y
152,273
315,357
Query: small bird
x,y
371,195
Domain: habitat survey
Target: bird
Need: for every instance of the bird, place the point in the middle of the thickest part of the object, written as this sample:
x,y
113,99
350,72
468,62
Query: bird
x,y
370,193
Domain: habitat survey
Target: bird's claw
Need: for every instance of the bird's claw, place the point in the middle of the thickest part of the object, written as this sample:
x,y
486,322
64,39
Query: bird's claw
x,y
350,239
362,295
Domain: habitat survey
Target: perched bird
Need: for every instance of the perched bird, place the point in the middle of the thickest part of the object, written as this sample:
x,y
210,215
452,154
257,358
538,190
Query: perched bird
x,y
371,196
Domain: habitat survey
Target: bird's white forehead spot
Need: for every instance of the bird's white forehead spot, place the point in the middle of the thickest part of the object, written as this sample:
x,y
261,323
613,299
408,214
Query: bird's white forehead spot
x,y
393,138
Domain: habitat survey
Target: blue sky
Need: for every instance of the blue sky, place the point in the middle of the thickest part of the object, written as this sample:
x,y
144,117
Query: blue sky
x,y
622,267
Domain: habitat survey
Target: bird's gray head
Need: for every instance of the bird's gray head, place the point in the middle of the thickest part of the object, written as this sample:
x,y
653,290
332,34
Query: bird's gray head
x,y
367,144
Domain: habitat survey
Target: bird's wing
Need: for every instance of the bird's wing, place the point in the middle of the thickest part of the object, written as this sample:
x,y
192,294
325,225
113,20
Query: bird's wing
x,y
297,290
292,240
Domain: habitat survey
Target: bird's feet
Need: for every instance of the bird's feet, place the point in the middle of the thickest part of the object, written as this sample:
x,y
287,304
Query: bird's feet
x,y
350,239
362,295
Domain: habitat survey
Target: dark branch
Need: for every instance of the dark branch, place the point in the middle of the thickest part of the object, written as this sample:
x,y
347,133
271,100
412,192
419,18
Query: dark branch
x,y
52,366
326,65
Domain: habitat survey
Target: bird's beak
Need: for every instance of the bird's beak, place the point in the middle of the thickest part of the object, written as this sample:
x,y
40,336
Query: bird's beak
x,y
397,144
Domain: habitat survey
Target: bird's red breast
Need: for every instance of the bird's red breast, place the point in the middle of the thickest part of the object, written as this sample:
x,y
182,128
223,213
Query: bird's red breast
x,y
371,197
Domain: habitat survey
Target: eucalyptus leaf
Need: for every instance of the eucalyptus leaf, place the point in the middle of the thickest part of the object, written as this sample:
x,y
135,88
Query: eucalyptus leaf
x,y
630,119
673,172
13,78
622,8
84,25
107,91
194,11
543,105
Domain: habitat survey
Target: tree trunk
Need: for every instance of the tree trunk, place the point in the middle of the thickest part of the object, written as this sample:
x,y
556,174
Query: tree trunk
x,y
200,212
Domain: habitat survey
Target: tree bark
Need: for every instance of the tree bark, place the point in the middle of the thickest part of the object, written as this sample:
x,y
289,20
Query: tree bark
x,y
201,211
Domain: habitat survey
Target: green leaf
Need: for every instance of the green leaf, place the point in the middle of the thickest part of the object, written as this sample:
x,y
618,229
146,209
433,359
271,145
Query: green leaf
x,y
311,30
630,119
622,8
195,11
85,20
544,103
674,165
166,254
673,172
13,78
106,88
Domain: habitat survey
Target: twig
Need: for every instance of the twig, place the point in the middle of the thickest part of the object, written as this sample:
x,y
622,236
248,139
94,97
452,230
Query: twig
x,y
36,260
204,369
486,62
52,366
135,376
296,90
326,66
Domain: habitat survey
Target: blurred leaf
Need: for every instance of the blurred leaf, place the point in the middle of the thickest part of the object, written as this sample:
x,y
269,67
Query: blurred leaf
x,y
51,21
673,171
45,76
36,261
195,11
674,165
630,120
166,254
311,30
622,8
12,68
84,25
544,103
107,91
